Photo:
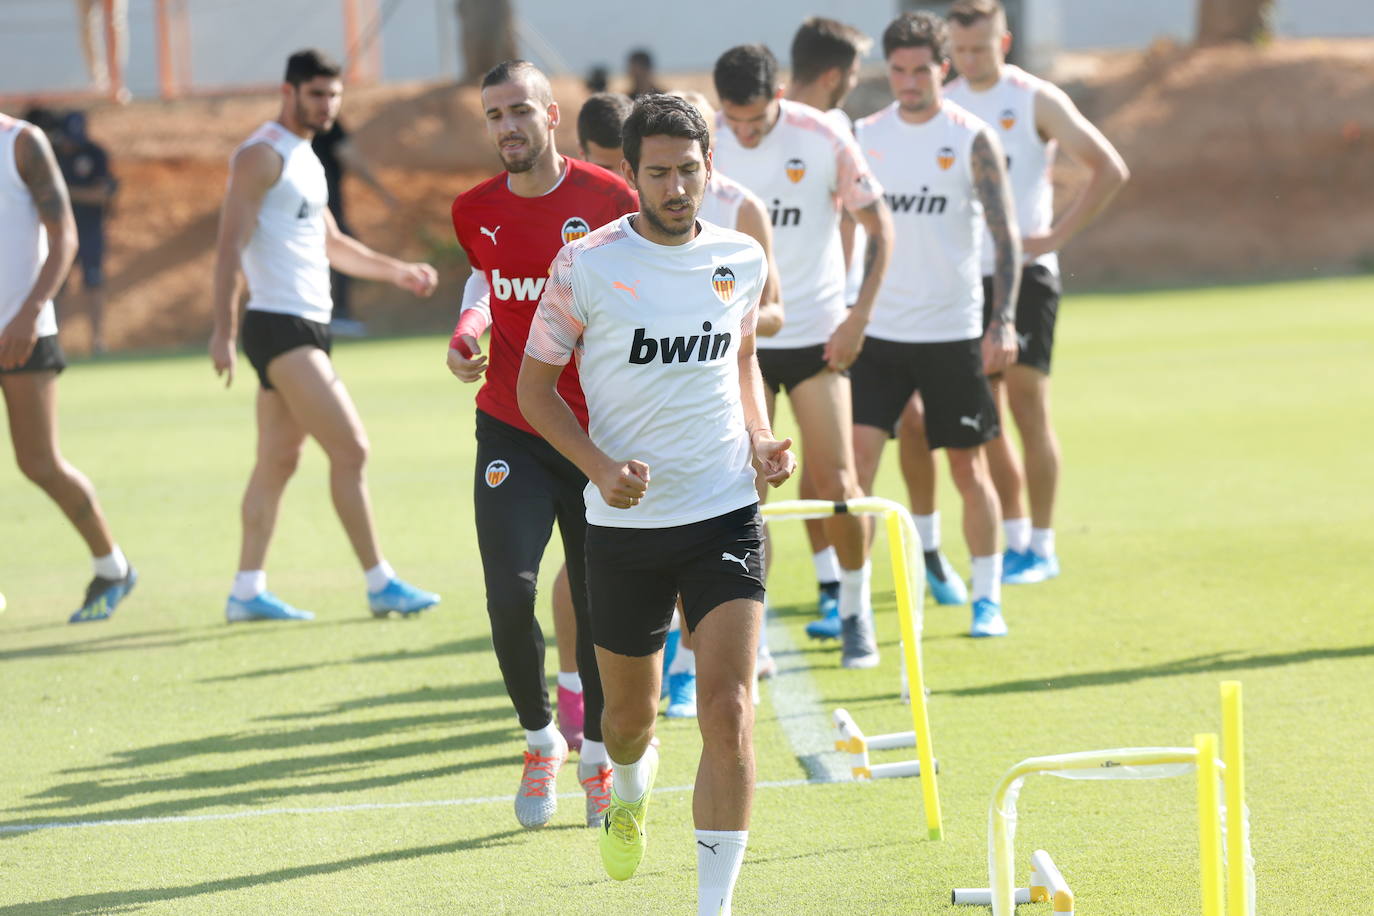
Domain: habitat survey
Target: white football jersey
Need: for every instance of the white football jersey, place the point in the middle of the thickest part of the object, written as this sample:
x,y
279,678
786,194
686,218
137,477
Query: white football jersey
x,y
723,199
657,330
933,288
23,237
804,170
854,274
285,261
1009,108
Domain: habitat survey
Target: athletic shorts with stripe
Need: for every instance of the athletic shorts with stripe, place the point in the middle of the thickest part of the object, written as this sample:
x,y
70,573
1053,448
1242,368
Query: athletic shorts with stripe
x,y
521,487
634,576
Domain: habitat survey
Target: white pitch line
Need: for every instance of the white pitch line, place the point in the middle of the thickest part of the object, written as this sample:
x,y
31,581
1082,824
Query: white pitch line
x,y
799,710
334,809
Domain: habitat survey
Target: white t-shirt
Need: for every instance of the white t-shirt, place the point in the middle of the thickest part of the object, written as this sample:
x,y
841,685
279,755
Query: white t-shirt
x,y
933,288
723,199
804,170
854,274
285,260
23,238
657,331
1009,108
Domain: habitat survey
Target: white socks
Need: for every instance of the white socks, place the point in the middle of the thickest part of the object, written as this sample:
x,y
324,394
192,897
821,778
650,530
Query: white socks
x,y
720,853
632,779
248,584
1042,542
1018,534
112,566
854,595
684,661
570,680
827,565
379,575
544,739
593,752
987,578
928,527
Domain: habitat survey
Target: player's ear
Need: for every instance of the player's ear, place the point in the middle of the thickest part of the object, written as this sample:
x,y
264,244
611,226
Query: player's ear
x,y
1006,43
628,174
944,69
553,114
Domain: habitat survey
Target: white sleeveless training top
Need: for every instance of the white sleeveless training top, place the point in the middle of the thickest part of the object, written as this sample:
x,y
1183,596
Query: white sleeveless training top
x,y
23,239
933,288
285,261
724,196
1009,108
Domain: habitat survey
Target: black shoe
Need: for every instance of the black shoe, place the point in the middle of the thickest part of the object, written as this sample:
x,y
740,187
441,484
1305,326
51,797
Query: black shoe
x,y
103,596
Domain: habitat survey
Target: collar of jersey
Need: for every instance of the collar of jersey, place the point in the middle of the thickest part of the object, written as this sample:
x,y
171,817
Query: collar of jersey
x,y
671,250
567,167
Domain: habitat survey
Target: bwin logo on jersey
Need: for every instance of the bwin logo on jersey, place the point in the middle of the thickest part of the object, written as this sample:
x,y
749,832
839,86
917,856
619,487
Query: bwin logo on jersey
x,y
307,210
796,170
1007,119
945,157
497,472
697,348
574,228
523,289
723,282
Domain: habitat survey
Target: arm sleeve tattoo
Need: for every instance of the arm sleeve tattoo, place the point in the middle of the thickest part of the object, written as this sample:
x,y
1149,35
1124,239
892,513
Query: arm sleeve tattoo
x,y
994,191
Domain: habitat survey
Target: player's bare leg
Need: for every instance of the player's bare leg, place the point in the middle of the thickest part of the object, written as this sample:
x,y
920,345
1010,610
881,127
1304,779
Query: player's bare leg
x,y
918,470
1028,395
570,707
968,468
280,441
822,407
31,403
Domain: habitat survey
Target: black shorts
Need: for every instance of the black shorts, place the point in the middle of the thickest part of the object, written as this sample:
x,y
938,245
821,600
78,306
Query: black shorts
x,y
634,576
789,367
267,335
1037,307
960,412
47,356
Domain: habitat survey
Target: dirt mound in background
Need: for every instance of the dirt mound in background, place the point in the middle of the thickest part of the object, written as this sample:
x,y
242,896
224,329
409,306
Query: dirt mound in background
x,y
1245,163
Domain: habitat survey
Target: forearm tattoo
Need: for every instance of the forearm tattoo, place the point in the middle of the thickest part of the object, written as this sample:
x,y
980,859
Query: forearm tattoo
x,y
994,191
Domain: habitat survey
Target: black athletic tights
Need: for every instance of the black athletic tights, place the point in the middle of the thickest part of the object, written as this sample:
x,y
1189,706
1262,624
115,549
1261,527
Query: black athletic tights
x,y
522,486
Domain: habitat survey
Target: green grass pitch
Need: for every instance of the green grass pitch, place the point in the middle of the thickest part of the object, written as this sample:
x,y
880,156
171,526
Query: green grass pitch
x,y
1215,523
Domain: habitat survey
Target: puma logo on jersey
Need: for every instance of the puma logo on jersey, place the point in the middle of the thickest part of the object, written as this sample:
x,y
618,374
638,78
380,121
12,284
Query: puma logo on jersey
x,y
699,347
784,216
490,233
924,202
970,422
523,289
740,560
1023,340
632,289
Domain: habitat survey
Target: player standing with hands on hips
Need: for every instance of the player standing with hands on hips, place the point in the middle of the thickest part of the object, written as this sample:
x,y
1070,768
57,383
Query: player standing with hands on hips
x,y
660,309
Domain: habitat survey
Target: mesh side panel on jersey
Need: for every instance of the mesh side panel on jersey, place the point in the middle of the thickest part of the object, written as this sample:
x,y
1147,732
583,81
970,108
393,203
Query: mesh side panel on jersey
x,y
557,326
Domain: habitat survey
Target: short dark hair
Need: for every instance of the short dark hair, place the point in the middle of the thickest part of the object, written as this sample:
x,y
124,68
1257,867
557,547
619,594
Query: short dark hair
x,y
640,57
304,66
659,115
968,12
745,73
510,70
823,44
602,119
917,30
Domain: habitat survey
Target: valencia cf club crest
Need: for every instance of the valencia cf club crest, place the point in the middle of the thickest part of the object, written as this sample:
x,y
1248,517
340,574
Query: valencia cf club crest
x,y
723,282
945,157
796,170
1007,119
574,228
497,472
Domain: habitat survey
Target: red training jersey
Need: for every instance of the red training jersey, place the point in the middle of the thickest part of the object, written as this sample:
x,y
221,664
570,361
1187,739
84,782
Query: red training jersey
x,y
513,240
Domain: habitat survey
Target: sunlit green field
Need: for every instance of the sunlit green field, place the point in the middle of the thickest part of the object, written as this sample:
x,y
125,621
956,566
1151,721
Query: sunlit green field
x,y
1216,523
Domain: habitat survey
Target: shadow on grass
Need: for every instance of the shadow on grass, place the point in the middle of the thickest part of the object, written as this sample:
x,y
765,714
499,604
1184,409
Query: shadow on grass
x,y
1217,662
112,901
455,647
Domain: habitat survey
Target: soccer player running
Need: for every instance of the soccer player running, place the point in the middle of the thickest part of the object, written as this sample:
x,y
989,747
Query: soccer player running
x,y
1032,118
943,173
806,168
511,227
277,228
37,245
660,309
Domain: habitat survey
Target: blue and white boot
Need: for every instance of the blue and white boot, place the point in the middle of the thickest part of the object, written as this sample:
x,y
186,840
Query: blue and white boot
x,y
400,597
263,606
945,586
987,619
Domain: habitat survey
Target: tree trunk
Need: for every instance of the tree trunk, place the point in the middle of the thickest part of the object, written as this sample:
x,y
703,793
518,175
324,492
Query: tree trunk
x,y
488,28
1223,21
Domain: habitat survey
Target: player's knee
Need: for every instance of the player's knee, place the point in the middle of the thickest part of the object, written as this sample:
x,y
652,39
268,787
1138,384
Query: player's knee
x,y
836,484
628,720
350,454
280,465
966,470
725,717
42,468
510,601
